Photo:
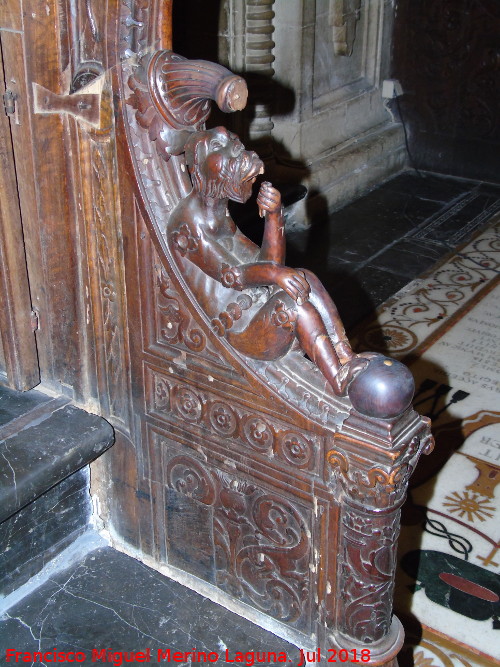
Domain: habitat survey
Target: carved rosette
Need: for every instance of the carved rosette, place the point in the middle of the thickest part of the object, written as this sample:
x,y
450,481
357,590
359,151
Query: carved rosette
x,y
258,434
373,487
296,449
223,419
187,404
175,402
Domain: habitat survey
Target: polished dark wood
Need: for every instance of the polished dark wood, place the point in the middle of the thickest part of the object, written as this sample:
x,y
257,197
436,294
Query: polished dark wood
x,y
255,472
274,477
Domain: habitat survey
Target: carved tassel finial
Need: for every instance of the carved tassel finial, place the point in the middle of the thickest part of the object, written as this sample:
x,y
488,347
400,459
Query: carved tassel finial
x,y
172,96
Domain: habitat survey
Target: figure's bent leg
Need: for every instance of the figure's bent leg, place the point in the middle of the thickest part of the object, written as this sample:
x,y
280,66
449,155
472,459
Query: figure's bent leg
x,y
325,306
319,347
273,328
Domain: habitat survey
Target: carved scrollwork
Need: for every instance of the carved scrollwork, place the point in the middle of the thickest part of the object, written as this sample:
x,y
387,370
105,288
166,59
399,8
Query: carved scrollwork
x,y
231,277
372,495
381,485
366,572
263,552
161,393
175,324
186,475
233,312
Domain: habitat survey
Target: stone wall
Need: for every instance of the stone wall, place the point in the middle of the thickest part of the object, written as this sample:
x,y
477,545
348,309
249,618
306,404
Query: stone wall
x,y
316,69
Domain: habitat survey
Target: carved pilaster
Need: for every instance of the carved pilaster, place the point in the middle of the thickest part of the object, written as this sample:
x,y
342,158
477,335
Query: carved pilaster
x,y
247,46
373,472
259,59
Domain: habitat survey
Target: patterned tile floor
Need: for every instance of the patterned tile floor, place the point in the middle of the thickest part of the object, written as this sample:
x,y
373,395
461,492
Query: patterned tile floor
x,y
446,328
370,249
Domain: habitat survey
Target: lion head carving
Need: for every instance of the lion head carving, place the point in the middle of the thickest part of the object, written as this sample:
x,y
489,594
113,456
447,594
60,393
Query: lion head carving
x,y
219,165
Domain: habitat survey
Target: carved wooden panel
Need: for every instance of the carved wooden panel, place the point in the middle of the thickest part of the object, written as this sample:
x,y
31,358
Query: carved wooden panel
x,y
246,538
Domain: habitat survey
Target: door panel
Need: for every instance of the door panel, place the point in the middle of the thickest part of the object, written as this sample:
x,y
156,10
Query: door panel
x,y
19,359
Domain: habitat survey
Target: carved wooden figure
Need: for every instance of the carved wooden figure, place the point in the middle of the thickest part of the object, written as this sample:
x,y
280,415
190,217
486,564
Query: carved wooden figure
x,y
277,304
272,476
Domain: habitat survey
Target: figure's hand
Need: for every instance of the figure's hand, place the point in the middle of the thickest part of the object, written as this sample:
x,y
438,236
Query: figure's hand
x,y
268,200
293,283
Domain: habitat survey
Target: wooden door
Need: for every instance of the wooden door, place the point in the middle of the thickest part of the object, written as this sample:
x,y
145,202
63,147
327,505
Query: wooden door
x,y
18,354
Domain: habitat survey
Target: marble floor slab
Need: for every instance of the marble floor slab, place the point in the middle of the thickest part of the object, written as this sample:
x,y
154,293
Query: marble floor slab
x,y
446,326
110,602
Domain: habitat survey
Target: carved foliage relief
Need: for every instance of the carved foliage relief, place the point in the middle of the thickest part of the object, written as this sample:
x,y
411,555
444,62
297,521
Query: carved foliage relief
x,y
105,228
366,573
259,545
174,324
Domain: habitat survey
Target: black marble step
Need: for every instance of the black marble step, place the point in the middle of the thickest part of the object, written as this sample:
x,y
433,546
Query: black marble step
x,y
41,530
43,440
46,445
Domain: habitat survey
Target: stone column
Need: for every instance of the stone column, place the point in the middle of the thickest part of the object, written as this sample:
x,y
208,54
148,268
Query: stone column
x,y
246,46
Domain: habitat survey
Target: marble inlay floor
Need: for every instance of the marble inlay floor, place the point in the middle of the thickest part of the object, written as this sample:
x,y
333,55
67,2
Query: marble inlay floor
x,y
446,326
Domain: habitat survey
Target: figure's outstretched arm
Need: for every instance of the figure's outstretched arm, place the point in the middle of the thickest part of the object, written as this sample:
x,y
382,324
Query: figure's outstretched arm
x,y
273,243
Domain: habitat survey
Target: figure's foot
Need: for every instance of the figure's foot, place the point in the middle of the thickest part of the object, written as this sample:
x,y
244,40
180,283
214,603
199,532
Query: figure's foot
x,y
347,373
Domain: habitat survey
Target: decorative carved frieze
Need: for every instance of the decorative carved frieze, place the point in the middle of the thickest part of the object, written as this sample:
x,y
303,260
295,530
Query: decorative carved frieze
x,y
175,402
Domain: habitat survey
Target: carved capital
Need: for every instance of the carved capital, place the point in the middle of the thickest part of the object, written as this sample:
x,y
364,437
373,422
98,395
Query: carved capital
x,y
374,468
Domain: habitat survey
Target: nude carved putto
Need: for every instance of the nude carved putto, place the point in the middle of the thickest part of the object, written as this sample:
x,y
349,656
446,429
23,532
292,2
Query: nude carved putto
x,y
261,306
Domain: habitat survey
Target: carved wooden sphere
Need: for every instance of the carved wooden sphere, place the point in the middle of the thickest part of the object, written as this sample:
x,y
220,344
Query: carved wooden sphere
x,y
384,389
